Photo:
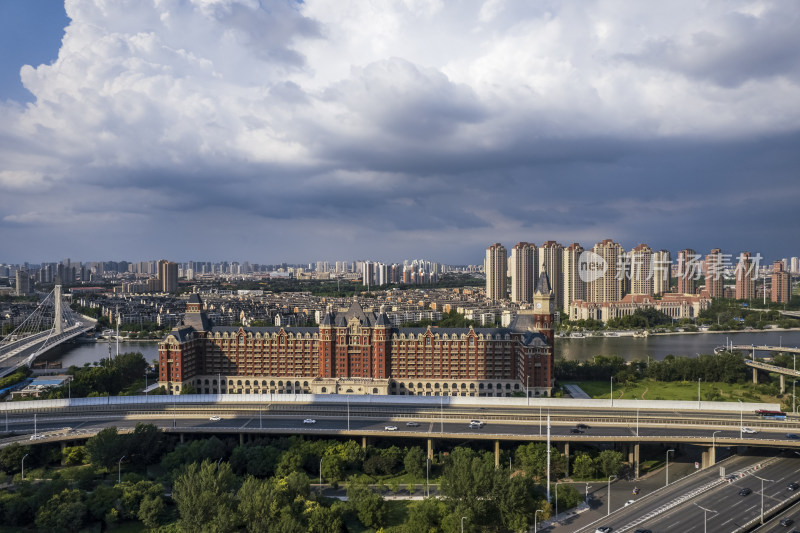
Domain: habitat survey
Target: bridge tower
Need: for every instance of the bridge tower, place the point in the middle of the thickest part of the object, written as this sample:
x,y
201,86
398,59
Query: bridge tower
x,y
57,310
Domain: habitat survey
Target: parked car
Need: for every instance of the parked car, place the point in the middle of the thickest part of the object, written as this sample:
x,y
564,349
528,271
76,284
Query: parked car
x,y
390,428
309,421
745,491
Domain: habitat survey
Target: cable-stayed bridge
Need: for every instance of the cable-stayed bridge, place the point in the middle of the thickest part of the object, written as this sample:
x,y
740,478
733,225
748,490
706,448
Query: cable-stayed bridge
x,y
51,324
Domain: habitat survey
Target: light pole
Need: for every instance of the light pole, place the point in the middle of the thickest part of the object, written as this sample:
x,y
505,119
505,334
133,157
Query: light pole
x,y
714,444
534,519
23,465
427,476
119,469
464,518
741,418
668,452
587,493
762,494
705,516
609,492
698,392
612,391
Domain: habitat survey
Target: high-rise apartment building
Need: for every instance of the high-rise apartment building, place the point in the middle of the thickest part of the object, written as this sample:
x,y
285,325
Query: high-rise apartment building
x,y
23,287
523,267
662,270
607,287
168,276
641,270
745,278
794,263
687,271
574,288
713,272
496,268
551,262
781,283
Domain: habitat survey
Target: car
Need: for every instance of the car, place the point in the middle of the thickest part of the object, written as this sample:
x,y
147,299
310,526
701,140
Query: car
x,y
793,486
793,436
749,431
745,491
473,424
786,522
643,531
36,437
309,421
604,529
582,426
412,424
576,430
215,418
629,502
390,428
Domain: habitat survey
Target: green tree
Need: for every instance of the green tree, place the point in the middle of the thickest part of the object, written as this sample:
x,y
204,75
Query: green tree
x,y
151,510
322,519
425,516
609,462
74,455
133,494
107,447
11,457
63,512
369,507
532,458
204,496
583,467
414,462
568,497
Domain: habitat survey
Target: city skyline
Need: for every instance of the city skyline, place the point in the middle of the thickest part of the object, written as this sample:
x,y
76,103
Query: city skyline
x,y
145,129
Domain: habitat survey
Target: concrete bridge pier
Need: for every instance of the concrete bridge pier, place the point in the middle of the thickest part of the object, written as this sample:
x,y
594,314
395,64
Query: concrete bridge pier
x,y
709,457
783,383
566,457
497,454
364,442
241,438
755,376
181,438
430,449
635,461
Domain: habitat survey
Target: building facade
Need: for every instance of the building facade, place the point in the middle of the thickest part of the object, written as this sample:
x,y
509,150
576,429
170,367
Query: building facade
x,y
608,287
524,271
574,286
781,283
675,306
496,268
355,351
713,272
551,261
687,271
745,278
662,262
641,269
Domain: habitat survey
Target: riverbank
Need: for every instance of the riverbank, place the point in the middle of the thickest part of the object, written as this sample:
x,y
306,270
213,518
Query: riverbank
x,y
631,333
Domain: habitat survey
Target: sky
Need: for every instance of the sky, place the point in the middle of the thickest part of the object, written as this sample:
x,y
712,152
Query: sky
x,y
273,131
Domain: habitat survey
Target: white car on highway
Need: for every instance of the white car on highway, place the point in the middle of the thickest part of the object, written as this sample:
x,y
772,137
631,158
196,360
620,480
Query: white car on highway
x,y
309,421
215,418
749,430
390,428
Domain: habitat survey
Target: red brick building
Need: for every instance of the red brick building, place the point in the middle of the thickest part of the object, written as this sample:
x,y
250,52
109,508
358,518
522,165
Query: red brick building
x,y
359,352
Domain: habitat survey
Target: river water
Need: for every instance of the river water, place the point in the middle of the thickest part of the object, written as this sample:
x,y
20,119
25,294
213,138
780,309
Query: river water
x,y
629,348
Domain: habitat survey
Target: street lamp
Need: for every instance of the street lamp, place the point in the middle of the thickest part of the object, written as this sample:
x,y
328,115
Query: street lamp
x,y
741,418
23,465
534,519
609,492
705,516
464,518
668,452
762,494
698,391
119,469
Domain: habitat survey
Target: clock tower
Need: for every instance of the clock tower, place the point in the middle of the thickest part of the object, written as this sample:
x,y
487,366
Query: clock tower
x,y
543,307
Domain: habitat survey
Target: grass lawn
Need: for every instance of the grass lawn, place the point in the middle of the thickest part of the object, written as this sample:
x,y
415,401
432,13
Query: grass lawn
x,y
678,390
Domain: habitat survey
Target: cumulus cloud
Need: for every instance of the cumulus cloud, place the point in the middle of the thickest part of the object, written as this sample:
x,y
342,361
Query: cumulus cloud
x,y
476,121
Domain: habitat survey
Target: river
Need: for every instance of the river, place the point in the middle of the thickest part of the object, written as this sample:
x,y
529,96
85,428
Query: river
x,y
629,348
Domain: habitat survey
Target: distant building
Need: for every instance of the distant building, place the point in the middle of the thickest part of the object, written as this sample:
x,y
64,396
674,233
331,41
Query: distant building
x,y
524,271
713,273
574,288
641,269
168,276
608,287
662,263
23,287
551,262
688,265
745,278
675,306
496,268
781,283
